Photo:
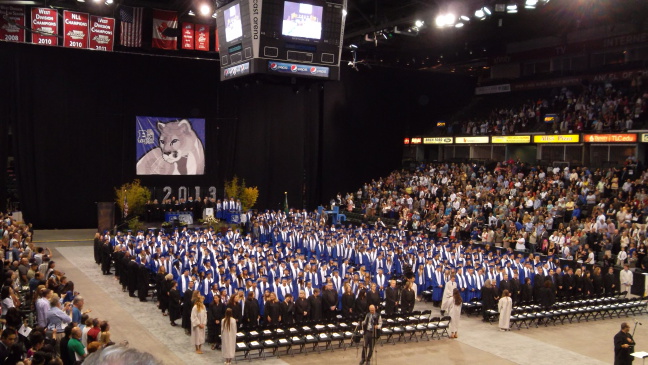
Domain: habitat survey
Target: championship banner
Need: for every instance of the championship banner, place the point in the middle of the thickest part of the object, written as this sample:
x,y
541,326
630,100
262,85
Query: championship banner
x,y
187,36
165,29
75,29
10,28
102,33
201,36
170,146
44,24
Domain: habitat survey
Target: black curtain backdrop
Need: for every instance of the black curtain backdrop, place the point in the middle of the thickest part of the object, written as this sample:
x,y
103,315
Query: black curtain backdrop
x,y
73,116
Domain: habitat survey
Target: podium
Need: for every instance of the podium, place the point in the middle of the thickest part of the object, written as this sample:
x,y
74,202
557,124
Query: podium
x,y
640,355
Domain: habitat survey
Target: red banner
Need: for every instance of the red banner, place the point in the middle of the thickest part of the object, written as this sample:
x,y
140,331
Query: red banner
x,y
102,33
76,28
165,24
201,35
187,36
44,21
10,30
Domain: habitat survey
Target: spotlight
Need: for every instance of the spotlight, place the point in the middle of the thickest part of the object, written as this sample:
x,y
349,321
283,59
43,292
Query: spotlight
x,y
445,20
81,1
464,18
479,13
531,4
97,1
108,2
353,46
511,8
487,11
191,13
205,9
214,15
419,23
459,25
344,12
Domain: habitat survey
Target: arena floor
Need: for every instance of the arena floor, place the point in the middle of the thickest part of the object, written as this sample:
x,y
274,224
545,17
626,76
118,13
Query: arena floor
x,y
142,325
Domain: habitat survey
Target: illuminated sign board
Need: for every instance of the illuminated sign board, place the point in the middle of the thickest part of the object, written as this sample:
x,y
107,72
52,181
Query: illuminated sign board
x,y
437,140
416,140
511,139
406,141
610,138
557,138
644,137
464,140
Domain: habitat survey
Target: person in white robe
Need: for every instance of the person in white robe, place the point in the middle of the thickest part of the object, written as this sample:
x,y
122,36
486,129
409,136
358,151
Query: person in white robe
x,y
446,301
455,313
505,306
198,324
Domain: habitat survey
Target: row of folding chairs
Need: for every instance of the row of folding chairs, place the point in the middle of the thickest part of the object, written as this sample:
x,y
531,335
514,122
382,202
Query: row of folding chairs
x,y
574,311
336,334
475,305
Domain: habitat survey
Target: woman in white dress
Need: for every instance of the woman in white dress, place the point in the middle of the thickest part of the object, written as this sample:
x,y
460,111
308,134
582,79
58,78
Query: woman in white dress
x,y
505,306
198,324
446,301
455,313
228,336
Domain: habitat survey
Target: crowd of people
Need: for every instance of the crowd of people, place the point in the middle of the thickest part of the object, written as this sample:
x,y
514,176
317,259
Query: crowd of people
x,y
526,233
63,331
597,107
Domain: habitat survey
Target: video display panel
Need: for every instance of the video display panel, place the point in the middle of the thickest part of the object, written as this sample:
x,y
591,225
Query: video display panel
x,y
302,20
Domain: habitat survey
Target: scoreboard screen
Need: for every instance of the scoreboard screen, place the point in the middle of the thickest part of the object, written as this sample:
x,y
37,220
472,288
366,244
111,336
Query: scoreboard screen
x,y
297,38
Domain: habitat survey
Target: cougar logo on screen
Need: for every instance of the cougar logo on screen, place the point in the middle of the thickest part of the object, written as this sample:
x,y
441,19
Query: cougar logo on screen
x,y
293,68
273,66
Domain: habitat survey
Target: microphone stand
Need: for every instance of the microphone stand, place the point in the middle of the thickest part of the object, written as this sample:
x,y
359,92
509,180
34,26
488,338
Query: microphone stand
x,y
373,344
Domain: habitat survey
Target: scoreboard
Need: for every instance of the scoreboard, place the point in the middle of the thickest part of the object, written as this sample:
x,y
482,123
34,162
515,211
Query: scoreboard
x,y
301,38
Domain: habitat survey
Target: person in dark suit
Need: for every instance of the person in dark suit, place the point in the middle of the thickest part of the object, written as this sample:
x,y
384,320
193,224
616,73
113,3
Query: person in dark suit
x,y
526,292
348,302
133,269
106,257
408,297
361,303
251,311
558,283
315,302
272,310
391,298
546,298
97,248
302,307
175,303
187,306
215,314
143,279
373,296
329,301
515,288
288,310
489,298
7,340
505,284
609,282
623,346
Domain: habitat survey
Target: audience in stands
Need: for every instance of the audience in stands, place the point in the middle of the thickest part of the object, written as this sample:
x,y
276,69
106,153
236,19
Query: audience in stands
x,y
31,284
598,107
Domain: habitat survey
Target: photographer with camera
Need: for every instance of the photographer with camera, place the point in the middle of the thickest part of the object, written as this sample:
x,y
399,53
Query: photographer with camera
x,y
370,325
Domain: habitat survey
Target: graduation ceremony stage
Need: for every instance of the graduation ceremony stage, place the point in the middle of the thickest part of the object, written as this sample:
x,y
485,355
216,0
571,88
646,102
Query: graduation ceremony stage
x,y
142,325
